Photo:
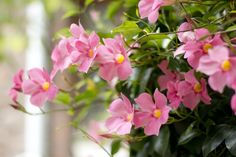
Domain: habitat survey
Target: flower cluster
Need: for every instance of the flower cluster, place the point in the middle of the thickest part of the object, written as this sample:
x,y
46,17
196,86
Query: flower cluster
x,y
38,85
80,49
150,114
205,53
210,55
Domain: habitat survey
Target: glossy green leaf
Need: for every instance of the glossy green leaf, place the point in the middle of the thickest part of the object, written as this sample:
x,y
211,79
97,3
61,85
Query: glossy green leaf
x,y
129,29
188,134
63,98
219,134
161,142
115,146
230,141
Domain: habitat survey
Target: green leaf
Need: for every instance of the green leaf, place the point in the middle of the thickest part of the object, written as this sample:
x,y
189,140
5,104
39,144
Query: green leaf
x,y
113,8
230,142
189,134
70,13
161,142
63,98
88,2
218,135
155,36
115,146
231,28
129,29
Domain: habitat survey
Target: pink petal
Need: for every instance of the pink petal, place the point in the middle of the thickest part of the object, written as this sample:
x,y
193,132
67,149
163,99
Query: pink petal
x,y
93,40
107,71
189,77
38,99
37,75
202,32
141,119
29,87
145,102
217,81
114,123
152,128
180,50
144,7
52,92
86,64
124,70
127,104
153,16
216,41
104,55
191,100
125,128
117,108
76,30
219,54
160,99
207,66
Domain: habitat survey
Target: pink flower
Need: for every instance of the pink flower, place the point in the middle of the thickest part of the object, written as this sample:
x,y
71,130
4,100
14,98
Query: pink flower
x,y
193,91
169,75
95,129
173,95
152,114
85,45
150,8
219,66
122,116
113,60
233,103
17,82
39,86
60,56
185,32
193,50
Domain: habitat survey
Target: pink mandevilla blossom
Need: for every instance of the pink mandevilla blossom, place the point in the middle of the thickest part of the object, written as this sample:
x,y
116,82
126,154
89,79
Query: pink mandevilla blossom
x,y
85,45
193,91
150,8
122,116
61,56
173,95
152,114
39,86
219,66
169,75
17,83
113,60
192,49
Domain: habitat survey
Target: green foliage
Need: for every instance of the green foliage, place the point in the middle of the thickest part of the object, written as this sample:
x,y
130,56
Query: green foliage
x,y
115,146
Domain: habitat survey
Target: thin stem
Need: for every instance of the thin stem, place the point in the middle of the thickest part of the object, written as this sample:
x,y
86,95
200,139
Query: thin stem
x,y
95,141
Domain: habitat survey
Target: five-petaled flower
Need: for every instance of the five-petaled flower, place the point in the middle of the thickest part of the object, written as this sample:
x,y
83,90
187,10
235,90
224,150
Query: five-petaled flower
x,y
151,114
122,116
39,86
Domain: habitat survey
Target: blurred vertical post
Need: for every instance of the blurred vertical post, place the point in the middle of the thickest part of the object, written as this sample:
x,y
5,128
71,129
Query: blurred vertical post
x,y
36,127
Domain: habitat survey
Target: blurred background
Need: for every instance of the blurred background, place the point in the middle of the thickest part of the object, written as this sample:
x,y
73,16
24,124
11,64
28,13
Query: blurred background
x,y
29,30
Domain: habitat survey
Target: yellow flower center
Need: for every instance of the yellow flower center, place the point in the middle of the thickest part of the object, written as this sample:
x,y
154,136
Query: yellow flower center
x,y
90,53
129,117
157,113
226,65
46,86
120,58
206,47
197,87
